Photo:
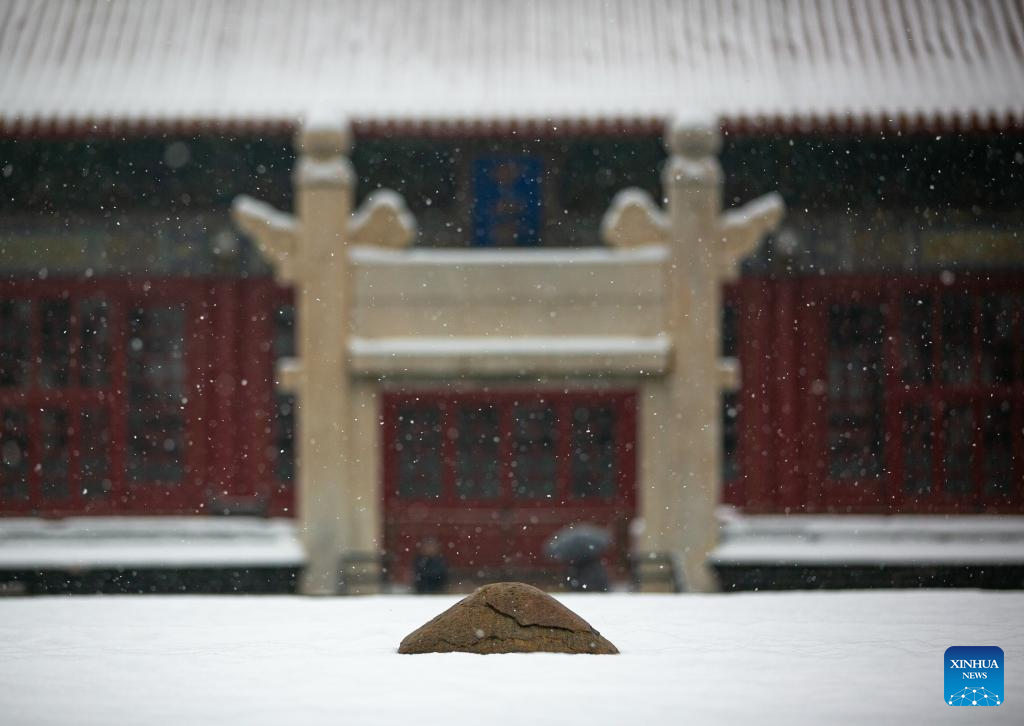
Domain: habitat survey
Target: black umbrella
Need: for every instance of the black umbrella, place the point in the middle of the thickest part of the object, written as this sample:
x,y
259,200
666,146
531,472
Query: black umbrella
x,y
578,542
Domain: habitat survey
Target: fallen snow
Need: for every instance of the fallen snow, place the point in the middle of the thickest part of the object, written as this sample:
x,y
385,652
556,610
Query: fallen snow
x,y
499,346
439,62
31,543
849,539
793,551
518,257
514,355
784,658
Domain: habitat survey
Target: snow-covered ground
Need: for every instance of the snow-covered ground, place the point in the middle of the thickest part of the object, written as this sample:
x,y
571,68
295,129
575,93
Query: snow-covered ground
x,y
786,658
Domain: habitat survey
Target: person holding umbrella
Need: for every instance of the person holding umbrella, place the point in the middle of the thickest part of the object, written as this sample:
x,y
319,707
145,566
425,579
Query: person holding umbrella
x,y
580,546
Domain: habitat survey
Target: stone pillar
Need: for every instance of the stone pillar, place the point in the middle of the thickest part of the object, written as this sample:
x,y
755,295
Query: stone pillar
x,y
692,180
310,251
680,416
324,184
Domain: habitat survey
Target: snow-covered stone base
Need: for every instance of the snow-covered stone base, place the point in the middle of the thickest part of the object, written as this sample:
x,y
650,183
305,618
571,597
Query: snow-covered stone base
x,y
788,658
841,540
77,543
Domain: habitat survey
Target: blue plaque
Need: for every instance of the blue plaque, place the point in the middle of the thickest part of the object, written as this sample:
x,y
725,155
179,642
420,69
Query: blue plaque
x,y
507,201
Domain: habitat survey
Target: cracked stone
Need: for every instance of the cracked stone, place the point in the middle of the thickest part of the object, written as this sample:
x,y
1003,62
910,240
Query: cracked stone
x,y
507,617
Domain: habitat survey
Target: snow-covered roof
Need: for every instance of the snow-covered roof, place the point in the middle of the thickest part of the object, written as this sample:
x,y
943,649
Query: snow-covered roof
x,y
449,65
830,540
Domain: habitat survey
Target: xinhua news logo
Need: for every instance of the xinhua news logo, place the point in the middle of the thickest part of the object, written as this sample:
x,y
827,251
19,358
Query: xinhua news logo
x,y
974,675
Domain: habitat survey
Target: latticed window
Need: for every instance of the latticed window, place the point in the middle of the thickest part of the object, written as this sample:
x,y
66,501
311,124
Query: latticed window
x,y
56,400
492,475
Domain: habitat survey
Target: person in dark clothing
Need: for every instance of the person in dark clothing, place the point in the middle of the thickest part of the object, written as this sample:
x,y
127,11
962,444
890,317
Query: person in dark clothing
x,y
587,574
430,569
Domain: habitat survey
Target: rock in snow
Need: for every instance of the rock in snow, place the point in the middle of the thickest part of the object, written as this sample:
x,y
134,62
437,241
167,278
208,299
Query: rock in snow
x,y
507,617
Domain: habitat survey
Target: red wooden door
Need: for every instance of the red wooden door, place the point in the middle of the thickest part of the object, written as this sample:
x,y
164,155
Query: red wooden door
x,y
263,415
915,396
101,396
492,476
145,397
55,406
846,441
958,394
162,362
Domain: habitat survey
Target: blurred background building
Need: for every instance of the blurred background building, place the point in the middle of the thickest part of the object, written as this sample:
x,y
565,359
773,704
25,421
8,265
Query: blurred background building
x,y
879,332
